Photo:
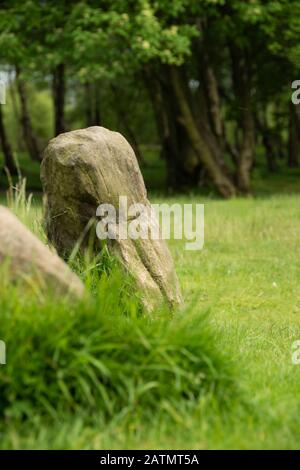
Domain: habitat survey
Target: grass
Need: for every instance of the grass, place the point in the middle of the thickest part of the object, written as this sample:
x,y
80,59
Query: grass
x,y
217,376
248,275
102,355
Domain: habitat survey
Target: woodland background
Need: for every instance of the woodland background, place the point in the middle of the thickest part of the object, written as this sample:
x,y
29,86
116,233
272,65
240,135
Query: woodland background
x,y
200,88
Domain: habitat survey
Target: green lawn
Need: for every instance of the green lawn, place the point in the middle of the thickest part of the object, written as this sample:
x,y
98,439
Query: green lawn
x,y
246,281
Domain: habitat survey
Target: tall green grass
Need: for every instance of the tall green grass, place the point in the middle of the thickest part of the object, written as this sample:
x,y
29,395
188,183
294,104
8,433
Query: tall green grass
x,y
104,355
103,362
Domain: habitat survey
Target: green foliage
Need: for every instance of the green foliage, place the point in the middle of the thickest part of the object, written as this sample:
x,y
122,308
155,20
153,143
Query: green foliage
x,y
125,35
40,103
96,39
99,373
127,45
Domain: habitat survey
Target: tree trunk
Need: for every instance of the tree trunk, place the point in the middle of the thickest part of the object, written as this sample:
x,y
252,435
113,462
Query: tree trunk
x,y
294,136
16,111
269,148
268,140
212,97
168,146
6,148
97,106
200,112
204,149
59,91
88,104
92,104
122,113
242,88
183,165
246,155
210,111
28,133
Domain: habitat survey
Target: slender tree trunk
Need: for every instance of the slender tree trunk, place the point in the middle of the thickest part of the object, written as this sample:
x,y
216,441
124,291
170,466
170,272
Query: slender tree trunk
x,y
267,139
92,104
167,139
270,153
204,149
212,97
294,136
242,87
183,166
246,159
28,133
59,92
232,150
213,105
16,111
97,106
88,104
210,103
183,162
279,143
6,148
122,113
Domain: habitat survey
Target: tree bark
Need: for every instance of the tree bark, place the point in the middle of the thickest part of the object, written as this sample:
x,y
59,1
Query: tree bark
x,y
97,106
88,104
6,148
212,97
242,88
122,113
269,148
294,136
183,165
16,111
28,133
204,149
92,104
268,141
59,91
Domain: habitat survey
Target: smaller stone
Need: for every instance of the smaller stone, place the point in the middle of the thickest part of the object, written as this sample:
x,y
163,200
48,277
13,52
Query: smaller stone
x,y
29,260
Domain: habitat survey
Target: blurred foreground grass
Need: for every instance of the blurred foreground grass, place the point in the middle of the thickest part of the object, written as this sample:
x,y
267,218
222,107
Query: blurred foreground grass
x,y
101,375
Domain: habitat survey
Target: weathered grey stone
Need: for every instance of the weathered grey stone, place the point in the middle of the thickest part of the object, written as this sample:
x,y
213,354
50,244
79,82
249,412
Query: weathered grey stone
x,y
85,168
27,259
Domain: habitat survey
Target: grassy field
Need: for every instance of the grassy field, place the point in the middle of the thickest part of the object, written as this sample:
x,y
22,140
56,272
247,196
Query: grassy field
x,y
218,375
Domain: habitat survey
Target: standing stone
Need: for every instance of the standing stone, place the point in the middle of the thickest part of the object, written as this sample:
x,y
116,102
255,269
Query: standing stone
x,y
85,168
28,260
